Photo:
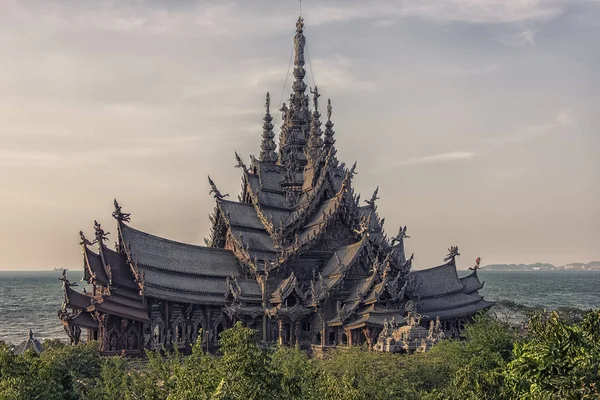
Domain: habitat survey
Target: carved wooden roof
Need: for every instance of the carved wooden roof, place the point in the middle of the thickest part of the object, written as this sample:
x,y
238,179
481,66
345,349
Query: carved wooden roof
x,y
170,256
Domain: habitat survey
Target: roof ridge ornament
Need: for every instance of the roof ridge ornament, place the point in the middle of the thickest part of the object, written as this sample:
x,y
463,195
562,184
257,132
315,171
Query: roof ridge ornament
x,y
214,191
452,253
399,238
118,214
373,199
314,148
476,266
101,236
85,241
240,163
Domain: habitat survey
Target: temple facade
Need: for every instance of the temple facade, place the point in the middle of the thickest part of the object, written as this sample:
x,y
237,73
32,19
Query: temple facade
x,y
298,257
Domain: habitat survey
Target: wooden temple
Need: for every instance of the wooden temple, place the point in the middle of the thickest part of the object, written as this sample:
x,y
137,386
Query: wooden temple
x,y
298,257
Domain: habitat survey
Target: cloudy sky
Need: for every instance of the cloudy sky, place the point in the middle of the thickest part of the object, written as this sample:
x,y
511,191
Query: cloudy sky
x,y
478,119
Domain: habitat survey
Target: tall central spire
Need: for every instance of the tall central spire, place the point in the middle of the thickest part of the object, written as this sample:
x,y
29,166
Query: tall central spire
x,y
299,86
296,116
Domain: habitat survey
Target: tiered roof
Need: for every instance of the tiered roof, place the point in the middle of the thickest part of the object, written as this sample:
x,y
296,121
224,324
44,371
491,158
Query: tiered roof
x,y
440,293
298,229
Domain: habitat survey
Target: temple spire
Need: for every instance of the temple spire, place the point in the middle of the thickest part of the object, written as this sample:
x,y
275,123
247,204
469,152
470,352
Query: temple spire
x,y
267,147
315,142
328,140
296,116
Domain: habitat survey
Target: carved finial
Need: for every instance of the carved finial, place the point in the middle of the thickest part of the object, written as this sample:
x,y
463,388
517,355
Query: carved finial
x,y
267,147
373,199
214,191
300,24
314,150
118,214
101,236
316,96
353,170
476,266
329,132
401,236
85,241
452,253
284,111
240,163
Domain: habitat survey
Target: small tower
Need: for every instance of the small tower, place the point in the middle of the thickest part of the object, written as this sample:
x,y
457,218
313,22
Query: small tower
x,y
328,140
267,147
315,142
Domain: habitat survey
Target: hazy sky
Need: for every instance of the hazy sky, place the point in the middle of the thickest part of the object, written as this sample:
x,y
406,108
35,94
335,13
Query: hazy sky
x,y
478,119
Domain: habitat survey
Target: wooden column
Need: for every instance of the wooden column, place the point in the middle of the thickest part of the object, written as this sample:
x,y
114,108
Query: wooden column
x,y
324,330
280,332
263,284
297,333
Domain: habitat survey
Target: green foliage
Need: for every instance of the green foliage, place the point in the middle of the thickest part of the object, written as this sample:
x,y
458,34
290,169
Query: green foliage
x,y
244,366
560,361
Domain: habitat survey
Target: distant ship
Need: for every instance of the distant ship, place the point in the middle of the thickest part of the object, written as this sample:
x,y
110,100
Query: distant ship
x,y
60,269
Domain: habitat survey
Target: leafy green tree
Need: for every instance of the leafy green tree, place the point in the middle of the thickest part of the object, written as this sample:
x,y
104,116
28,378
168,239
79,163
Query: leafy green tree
x,y
560,361
244,367
198,377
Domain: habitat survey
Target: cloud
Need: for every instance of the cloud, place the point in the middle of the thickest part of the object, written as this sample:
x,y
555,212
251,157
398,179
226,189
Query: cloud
x,y
523,38
562,119
473,11
432,159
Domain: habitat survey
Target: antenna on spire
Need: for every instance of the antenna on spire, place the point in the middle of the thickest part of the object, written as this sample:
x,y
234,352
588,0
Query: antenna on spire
x,y
300,7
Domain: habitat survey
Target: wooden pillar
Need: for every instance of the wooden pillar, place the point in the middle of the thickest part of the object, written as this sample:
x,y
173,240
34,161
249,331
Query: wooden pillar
x,y
324,330
280,332
264,305
297,333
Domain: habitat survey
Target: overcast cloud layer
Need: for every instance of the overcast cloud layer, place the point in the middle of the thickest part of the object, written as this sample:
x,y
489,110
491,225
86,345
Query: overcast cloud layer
x,y
478,119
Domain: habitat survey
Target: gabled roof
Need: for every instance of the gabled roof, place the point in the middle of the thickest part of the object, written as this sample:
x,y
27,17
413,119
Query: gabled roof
x,y
120,271
440,293
342,258
266,198
285,288
241,214
458,311
31,343
94,265
437,281
167,255
471,283
114,306
84,319
77,300
255,240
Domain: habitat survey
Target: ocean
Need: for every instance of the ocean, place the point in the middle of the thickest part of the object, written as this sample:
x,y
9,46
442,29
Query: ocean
x,y
32,299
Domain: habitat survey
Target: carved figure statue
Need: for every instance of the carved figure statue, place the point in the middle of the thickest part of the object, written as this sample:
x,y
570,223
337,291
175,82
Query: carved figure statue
x,y
400,236
213,190
284,112
476,266
386,328
240,163
374,198
85,241
101,236
316,96
118,214
452,253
